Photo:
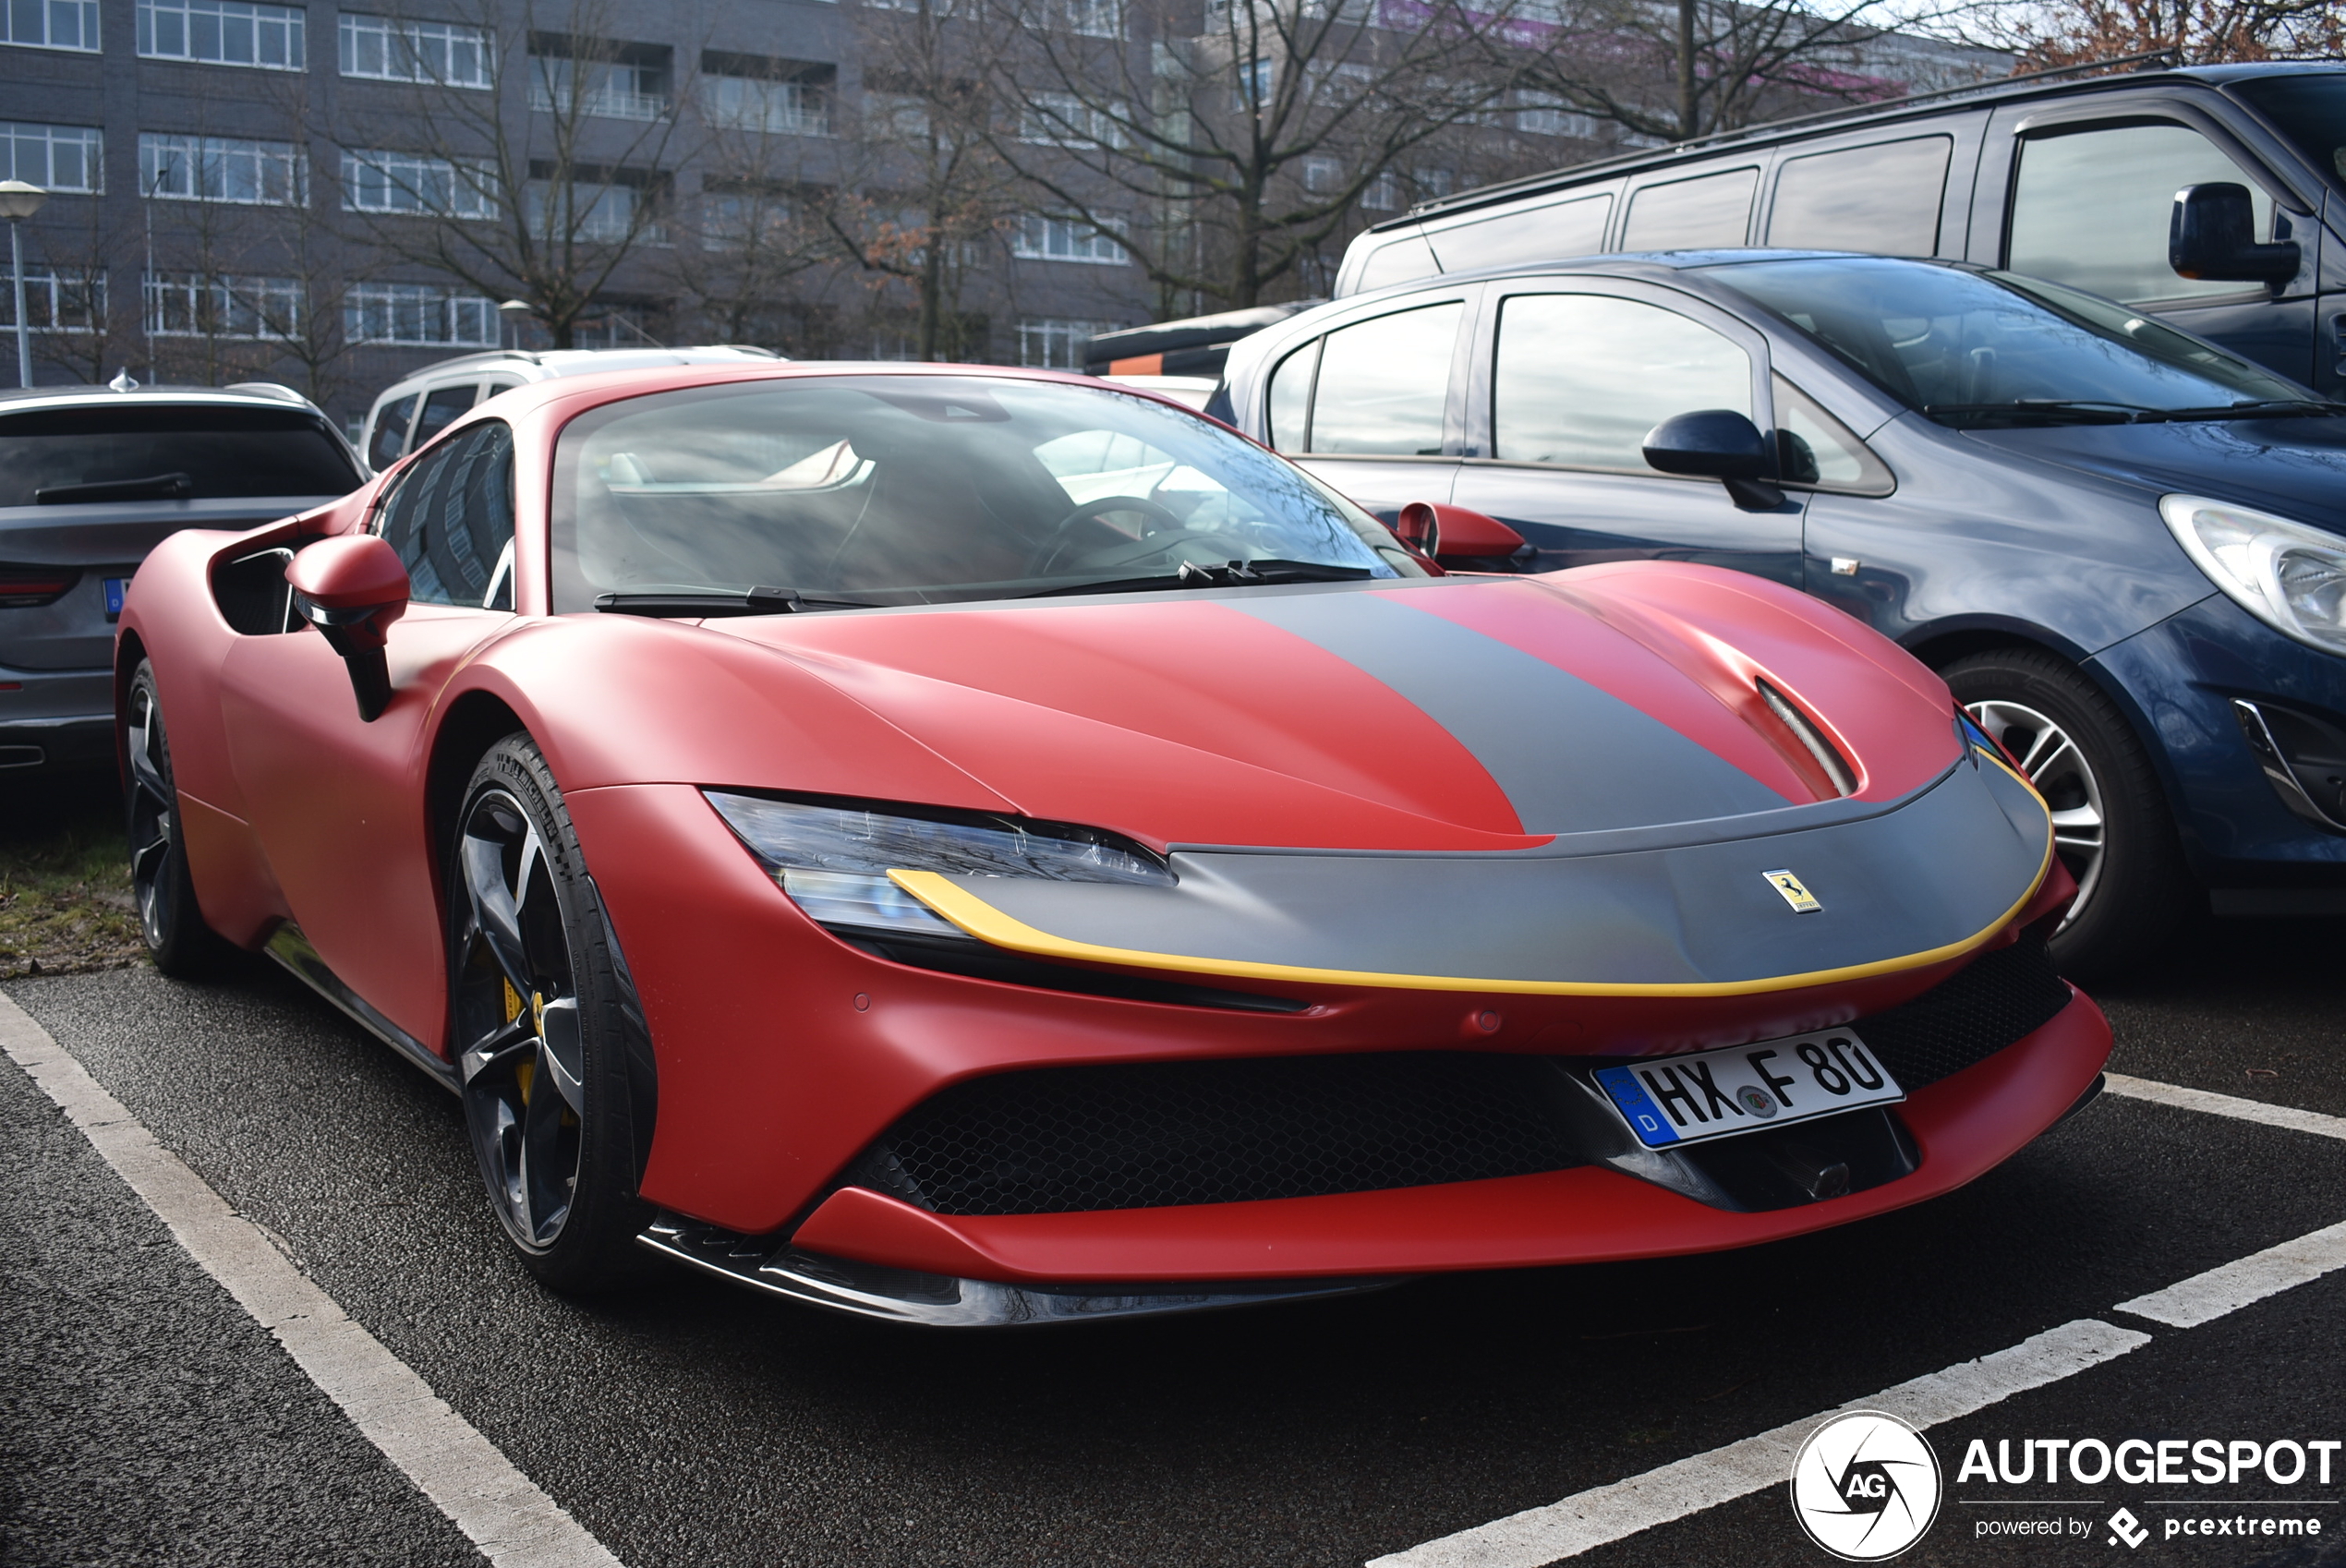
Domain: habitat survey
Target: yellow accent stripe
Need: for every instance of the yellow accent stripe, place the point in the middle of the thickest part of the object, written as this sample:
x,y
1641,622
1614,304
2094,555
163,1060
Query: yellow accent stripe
x,y
988,924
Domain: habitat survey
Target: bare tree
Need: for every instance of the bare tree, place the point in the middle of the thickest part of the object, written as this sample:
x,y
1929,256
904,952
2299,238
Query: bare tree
x,y
1226,146
529,159
85,326
2072,32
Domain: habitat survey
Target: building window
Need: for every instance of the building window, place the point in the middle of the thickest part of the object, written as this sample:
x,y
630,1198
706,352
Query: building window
x,y
1383,194
741,218
1321,176
442,54
1431,183
1549,120
419,313
794,106
608,211
213,168
50,24
410,182
1066,239
56,158
620,81
73,302
1053,343
1093,18
1063,119
222,32
194,305
1256,80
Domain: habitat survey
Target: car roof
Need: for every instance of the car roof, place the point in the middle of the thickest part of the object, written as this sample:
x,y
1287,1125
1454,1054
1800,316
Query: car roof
x,y
2037,84
252,395
534,366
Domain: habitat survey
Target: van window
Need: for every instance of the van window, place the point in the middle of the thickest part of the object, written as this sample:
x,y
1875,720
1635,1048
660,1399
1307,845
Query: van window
x,y
391,432
2090,209
1383,384
1690,214
1883,198
1543,234
1582,378
451,520
1396,261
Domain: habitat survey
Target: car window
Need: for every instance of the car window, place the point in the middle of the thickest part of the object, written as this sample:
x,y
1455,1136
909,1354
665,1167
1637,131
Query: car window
x,y
1883,198
1290,402
389,439
1814,448
451,518
902,489
2310,110
2090,209
138,452
1559,229
1688,214
1383,384
1581,377
1396,261
441,409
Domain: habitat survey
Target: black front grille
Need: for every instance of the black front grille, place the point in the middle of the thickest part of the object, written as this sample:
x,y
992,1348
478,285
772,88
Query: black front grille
x,y
1162,1133
1962,1020
1156,1134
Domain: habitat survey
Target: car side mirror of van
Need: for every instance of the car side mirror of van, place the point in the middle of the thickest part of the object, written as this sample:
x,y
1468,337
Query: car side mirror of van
x,y
2211,236
1718,443
352,588
1455,536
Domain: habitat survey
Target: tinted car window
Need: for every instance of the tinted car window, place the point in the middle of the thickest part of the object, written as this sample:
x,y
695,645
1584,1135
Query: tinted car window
x,y
1685,214
441,409
1884,197
216,450
451,520
1383,384
1563,228
390,439
2311,111
1581,377
902,489
2090,209
1291,397
1971,346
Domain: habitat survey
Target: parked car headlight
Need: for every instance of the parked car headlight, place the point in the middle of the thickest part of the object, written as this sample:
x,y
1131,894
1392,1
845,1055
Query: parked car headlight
x,y
2290,577
833,860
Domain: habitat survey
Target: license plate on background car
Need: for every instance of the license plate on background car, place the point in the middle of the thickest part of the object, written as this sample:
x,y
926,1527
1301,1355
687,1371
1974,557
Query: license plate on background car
x,y
115,587
1706,1094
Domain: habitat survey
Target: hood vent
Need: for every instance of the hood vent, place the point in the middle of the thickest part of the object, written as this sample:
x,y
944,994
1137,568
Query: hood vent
x,y
1844,779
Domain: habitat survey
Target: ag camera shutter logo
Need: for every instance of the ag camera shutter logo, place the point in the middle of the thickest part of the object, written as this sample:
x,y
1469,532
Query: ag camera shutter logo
x,y
1866,1486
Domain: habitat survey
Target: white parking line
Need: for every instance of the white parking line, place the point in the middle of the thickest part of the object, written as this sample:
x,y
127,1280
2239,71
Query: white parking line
x,y
1538,1537
503,1512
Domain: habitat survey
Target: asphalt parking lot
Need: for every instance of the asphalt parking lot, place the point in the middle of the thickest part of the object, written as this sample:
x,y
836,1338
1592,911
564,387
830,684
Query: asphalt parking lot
x,y
146,1418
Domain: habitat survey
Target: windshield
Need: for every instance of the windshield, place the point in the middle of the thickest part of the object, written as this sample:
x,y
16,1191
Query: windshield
x,y
1968,346
2310,109
916,489
61,456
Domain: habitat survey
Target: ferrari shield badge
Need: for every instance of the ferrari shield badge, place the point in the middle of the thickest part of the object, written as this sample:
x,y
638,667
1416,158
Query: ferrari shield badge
x,y
1795,892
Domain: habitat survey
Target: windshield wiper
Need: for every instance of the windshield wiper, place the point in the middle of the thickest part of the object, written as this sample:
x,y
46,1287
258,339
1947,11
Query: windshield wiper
x,y
703,602
2083,410
2270,408
1236,574
154,486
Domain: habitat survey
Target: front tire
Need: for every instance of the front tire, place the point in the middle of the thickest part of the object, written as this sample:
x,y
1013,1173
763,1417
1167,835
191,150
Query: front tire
x,y
179,941
2111,826
540,1016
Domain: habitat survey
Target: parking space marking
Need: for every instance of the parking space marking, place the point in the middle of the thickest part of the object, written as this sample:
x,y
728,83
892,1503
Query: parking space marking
x,y
2182,1099
2205,1297
1584,1521
500,1510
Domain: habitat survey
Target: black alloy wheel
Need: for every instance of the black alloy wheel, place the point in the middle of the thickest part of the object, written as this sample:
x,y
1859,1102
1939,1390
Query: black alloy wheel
x,y
2111,826
182,945
542,1014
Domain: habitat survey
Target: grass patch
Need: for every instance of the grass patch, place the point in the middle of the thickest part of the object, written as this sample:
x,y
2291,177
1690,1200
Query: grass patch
x,y
65,877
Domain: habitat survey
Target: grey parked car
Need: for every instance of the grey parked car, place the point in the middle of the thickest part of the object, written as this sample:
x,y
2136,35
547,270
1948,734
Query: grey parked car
x,y
91,480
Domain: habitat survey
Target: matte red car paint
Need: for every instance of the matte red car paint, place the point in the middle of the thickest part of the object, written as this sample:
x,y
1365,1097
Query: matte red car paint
x,y
1965,1125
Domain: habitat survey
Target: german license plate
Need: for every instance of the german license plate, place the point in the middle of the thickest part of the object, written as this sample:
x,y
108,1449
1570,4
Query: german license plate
x,y
1707,1094
114,587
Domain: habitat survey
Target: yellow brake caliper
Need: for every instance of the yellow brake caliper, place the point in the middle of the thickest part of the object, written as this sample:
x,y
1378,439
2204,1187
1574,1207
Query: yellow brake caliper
x,y
523,1071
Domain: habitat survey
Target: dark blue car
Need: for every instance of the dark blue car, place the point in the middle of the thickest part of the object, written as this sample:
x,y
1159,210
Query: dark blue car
x,y
2123,547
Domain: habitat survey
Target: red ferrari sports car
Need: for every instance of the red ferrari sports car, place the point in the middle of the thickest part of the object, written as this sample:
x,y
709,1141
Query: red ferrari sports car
x,y
975,846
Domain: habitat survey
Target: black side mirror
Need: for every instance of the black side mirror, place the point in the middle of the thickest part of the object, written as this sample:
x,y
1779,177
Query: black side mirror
x,y
2211,236
1718,443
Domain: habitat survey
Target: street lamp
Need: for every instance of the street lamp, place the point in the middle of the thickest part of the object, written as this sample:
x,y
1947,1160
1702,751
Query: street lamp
x,y
17,202
516,311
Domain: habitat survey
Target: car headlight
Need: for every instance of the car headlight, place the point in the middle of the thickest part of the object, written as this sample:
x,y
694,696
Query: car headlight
x,y
833,860
2289,576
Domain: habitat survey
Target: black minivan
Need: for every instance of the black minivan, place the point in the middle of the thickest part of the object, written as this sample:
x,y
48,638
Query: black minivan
x,y
2074,181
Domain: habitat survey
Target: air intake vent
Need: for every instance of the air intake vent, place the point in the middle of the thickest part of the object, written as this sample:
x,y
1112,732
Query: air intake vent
x,y
1845,780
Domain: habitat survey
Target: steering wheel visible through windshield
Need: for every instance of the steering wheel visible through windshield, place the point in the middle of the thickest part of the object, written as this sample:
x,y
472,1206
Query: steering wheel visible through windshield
x,y
1969,348
840,490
